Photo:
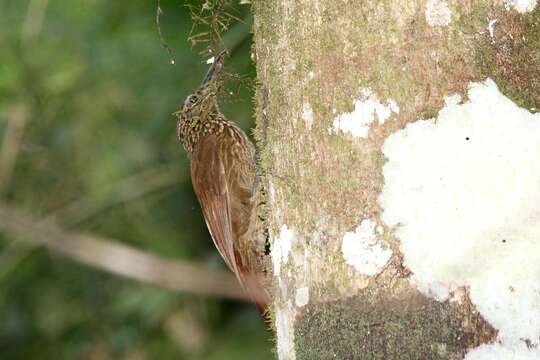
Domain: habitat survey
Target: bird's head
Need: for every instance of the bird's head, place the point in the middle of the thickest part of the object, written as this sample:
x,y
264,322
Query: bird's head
x,y
203,101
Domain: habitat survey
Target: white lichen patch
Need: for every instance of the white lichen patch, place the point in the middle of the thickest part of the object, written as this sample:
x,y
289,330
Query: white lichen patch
x,y
285,331
463,193
359,120
517,351
363,251
281,247
302,296
521,6
438,13
307,115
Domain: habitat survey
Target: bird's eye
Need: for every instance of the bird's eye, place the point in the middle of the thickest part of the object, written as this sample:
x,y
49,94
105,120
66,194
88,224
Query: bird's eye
x,y
191,101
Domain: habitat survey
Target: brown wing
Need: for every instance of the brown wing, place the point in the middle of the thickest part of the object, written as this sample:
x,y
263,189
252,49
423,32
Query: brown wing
x,y
210,185
213,186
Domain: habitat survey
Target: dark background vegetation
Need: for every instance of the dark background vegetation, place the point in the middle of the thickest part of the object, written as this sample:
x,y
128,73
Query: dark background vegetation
x,y
91,91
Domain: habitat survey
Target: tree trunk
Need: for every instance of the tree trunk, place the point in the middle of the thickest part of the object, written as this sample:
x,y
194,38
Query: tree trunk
x,y
400,152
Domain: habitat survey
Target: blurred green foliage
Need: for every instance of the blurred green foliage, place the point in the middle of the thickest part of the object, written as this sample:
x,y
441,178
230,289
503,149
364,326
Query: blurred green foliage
x,y
96,90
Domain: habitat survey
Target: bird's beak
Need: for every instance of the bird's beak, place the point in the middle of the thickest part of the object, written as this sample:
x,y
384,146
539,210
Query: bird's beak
x,y
214,69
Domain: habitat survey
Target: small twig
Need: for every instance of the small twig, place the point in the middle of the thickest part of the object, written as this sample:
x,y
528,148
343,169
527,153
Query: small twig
x,y
120,259
215,17
167,48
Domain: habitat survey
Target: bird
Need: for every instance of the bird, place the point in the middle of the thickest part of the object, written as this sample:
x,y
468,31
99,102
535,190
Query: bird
x,y
224,178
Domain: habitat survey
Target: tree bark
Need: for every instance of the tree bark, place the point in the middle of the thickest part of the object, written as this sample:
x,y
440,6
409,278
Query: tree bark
x,y
343,86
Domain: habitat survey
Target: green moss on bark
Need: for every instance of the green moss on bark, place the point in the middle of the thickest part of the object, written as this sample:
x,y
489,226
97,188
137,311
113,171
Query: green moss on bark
x,y
512,56
386,327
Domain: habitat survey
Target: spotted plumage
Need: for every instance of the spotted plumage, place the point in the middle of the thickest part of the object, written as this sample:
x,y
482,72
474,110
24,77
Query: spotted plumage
x,y
224,179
